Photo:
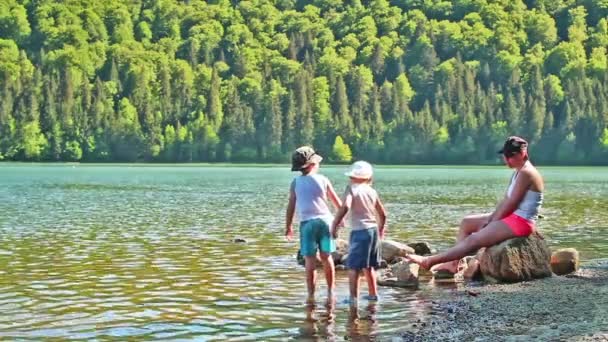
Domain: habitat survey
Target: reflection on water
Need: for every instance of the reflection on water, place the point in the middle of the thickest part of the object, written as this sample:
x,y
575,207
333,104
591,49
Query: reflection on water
x,y
118,252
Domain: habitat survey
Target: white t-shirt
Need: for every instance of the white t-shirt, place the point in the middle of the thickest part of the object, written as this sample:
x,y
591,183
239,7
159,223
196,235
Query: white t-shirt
x,y
311,197
363,207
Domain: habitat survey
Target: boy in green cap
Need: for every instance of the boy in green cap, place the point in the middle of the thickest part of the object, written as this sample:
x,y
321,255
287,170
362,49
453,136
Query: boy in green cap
x,y
308,196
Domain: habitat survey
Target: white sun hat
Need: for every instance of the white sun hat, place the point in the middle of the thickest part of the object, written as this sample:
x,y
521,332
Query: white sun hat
x,y
360,170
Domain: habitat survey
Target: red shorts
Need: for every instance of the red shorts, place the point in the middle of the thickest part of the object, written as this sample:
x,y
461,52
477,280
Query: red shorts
x,y
519,225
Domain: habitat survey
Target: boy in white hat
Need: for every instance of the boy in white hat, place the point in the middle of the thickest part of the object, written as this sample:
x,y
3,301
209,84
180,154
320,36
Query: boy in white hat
x,y
367,222
308,195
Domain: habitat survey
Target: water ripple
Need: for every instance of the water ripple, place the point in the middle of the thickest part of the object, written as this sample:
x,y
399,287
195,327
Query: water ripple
x,y
147,253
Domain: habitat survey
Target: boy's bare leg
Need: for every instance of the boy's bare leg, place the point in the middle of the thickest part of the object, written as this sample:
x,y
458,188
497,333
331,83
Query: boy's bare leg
x,y
311,276
330,273
353,280
372,285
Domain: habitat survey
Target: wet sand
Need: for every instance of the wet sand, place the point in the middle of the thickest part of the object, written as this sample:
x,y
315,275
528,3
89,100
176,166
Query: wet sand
x,y
566,308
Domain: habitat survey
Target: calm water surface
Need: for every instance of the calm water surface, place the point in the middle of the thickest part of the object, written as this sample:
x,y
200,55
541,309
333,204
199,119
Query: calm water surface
x,y
146,252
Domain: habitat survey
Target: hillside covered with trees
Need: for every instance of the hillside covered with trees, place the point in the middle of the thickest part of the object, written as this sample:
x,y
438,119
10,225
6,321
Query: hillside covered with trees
x,y
400,81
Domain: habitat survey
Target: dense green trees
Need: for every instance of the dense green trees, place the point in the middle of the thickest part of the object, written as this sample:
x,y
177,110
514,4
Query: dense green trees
x,y
398,81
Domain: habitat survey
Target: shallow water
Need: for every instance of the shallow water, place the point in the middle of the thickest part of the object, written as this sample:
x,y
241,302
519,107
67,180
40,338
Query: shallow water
x,y
146,252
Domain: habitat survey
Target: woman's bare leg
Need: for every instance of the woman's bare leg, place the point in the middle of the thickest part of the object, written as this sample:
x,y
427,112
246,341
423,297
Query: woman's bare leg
x,y
469,225
492,234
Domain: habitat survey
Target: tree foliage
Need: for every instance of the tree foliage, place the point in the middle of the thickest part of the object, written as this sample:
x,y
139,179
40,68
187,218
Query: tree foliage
x,y
400,81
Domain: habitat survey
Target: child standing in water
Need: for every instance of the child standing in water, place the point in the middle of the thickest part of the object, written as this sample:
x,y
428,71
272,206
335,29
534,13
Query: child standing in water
x,y
367,222
308,196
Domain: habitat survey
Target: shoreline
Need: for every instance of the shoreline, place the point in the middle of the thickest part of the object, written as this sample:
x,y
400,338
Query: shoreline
x,y
572,307
282,165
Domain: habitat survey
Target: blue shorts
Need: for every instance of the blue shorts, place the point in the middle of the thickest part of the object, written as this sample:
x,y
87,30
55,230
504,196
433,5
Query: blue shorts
x,y
314,234
364,249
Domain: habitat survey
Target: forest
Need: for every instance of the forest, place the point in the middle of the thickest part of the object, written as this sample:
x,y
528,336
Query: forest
x,y
392,82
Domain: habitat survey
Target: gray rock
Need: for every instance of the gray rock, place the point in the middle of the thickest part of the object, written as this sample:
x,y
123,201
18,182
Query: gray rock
x,y
302,262
391,249
470,268
515,260
402,274
341,251
398,260
565,261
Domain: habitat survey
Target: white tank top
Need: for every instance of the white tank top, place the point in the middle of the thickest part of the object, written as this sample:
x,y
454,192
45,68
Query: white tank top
x,y
530,205
363,208
311,197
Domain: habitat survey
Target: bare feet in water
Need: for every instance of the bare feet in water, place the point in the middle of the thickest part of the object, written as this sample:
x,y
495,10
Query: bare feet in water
x,y
424,262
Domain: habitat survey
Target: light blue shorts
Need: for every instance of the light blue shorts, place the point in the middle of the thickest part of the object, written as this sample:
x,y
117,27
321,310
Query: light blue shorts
x,y
314,234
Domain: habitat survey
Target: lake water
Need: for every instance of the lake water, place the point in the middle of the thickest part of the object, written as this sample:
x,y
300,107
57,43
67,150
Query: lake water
x,y
146,252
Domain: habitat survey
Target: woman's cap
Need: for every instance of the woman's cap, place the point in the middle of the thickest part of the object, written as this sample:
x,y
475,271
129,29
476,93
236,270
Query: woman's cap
x,y
360,170
303,157
514,145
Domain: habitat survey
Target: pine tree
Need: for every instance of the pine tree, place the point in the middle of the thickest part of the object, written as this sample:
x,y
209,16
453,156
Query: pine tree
x,y
343,120
214,106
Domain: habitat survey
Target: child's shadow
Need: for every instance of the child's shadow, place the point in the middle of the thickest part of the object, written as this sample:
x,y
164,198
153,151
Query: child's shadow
x,y
362,324
319,325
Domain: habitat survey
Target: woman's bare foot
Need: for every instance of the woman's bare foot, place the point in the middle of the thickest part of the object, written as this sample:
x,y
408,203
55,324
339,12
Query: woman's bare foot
x,y
450,266
424,262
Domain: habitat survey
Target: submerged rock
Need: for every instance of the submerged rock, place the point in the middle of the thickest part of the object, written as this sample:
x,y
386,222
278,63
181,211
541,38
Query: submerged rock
x,y
421,248
565,261
341,268
517,259
391,249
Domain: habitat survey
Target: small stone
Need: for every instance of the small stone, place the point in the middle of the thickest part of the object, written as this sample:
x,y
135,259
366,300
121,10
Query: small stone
x,y
239,240
553,325
565,261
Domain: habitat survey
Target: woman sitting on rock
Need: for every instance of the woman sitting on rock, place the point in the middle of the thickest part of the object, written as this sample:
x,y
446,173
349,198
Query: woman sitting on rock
x,y
514,216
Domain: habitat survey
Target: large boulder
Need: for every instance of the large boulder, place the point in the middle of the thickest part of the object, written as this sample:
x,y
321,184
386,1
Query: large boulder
x,y
565,261
391,249
401,274
517,259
